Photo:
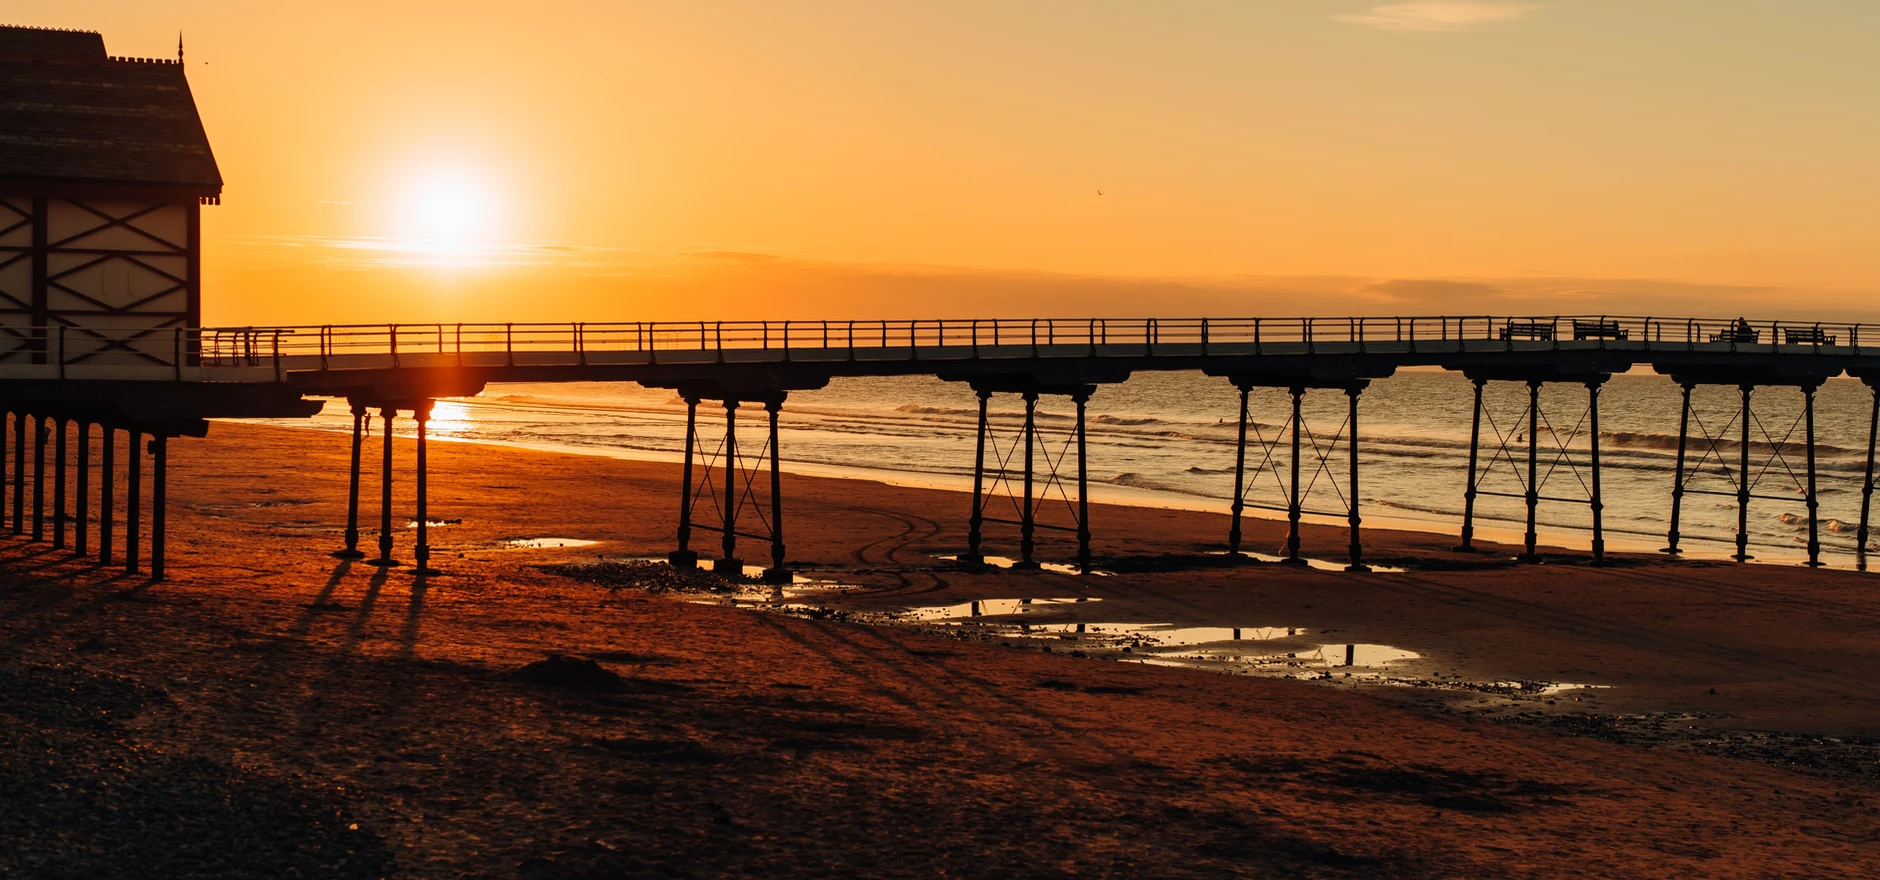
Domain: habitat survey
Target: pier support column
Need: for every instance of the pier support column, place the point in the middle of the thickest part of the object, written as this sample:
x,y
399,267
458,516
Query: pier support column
x,y
776,573
1468,494
59,426
684,557
976,522
1083,488
1814,523
351,550
729,563
19,472
1027,524
1742,491
1866,483
385,559
107,489
159,501
1532,539
1351,515
81,511
421,554
1240,477
1599,505
1293,509
6,461
40,435
133,496
1677,481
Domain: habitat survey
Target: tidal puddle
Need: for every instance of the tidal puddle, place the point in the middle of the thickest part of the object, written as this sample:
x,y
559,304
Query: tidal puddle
x,y
546,543
1316,564
1008,562
987,608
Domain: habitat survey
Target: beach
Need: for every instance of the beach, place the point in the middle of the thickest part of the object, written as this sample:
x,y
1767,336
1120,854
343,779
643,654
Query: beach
x,y
388,727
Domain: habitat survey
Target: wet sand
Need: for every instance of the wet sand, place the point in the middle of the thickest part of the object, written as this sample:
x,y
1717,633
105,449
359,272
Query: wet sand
x,y
738,740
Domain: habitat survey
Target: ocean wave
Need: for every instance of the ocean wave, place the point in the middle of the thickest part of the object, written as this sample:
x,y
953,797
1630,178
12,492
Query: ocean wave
x,y
1125,420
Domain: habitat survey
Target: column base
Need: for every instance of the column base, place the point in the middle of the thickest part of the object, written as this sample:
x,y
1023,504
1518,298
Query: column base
x,y
1814,563
386,562
970,559
682,559
1292,560
778,575
348,554
1741,557
1026,565
728,565
1358,567
1671,551
1531,558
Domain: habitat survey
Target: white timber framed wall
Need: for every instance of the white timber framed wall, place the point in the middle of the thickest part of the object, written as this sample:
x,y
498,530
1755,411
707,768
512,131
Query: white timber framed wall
x,y
99,281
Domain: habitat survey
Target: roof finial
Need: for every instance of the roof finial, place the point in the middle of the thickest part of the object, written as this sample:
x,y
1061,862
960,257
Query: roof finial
x,y
179,47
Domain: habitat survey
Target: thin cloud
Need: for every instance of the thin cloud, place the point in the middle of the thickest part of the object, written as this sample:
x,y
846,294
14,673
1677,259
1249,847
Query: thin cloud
x,y
1437,15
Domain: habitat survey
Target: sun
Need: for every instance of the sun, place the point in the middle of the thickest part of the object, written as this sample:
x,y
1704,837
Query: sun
x,y
448,209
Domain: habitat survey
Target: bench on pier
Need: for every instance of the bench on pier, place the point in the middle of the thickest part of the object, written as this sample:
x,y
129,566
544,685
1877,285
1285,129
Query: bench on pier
x,y
1542,330
1737,334
1599,330
1807,336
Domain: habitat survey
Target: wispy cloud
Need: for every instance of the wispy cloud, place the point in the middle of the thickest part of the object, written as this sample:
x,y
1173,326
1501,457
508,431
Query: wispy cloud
x,y
1437,15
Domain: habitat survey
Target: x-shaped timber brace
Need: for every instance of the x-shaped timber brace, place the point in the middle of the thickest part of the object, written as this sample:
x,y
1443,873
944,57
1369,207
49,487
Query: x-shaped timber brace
x,y
68,432
1026,506
738,490
1294,487
388,410
1535,480
1743,479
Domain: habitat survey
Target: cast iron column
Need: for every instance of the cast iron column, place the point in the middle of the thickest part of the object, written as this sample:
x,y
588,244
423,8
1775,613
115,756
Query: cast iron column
x,y
1866,484
422,553
351,550
107,491
159,494
1534,454
1026,525
385,559
684,557
133,497
1742,489
975,522
1468,495
1240,476
82,511
19,473
776,574
730,562
1677,482
40,433
1352,515
58,483
1599,505
1083,490
1814,535
1293,509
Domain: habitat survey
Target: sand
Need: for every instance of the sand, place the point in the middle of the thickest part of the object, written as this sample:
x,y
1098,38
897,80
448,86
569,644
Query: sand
x,y
747,741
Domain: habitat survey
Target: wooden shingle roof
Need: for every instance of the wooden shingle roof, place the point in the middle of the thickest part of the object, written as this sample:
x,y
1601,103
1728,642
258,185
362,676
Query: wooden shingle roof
x,y
70,115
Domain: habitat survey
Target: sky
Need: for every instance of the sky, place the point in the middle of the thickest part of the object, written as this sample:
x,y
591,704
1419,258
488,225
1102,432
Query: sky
x,y
619,161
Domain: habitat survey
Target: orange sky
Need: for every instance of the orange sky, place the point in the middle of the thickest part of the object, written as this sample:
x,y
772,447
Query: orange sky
x,y
624,160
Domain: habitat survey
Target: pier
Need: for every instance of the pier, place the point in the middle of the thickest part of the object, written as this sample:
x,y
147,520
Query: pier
x,y
156,385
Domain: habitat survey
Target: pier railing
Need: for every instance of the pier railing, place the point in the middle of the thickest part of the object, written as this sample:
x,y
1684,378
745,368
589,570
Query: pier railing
x,y
269,353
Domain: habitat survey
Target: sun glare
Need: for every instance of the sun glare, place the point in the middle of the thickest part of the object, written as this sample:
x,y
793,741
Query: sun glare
x,y
448,210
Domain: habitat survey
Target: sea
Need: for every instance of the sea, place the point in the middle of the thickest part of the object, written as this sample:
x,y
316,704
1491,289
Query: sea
x,y
1168,440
